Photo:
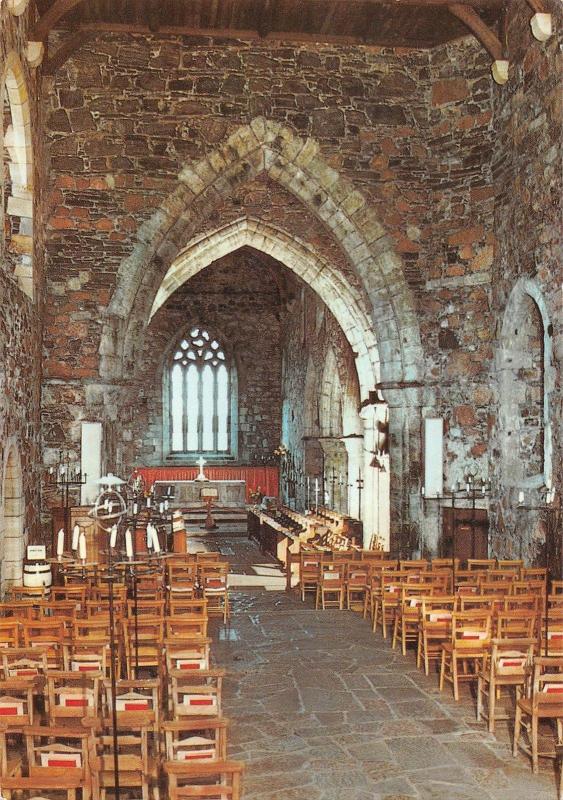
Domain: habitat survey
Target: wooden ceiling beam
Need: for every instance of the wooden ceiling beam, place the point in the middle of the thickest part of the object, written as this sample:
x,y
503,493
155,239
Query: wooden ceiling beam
x,y
243,34
69,46
50,18
480,29
60,8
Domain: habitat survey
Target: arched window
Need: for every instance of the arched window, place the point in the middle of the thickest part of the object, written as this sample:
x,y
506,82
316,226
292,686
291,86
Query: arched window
x,y
17,176
202,390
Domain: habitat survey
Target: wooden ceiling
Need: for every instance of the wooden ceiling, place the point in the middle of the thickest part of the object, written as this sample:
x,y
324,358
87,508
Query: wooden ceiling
x,y
394,23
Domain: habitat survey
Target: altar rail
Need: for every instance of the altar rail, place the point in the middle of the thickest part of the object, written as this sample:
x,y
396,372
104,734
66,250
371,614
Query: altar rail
x,y
264,479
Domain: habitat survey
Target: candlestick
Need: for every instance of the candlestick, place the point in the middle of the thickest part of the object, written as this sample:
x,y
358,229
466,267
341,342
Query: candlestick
x,y
75,537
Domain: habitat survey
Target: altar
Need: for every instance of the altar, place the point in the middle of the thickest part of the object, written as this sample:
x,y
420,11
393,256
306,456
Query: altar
x,y
188,494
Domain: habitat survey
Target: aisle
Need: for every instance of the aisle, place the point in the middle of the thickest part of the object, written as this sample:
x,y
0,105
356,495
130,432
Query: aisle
x,y
322,709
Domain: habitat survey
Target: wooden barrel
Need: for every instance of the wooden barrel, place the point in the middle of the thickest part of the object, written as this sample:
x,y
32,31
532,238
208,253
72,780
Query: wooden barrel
x,y
37,574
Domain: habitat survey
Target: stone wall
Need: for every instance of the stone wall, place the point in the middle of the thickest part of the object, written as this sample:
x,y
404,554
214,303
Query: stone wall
x,y
20,337
526,411
411,130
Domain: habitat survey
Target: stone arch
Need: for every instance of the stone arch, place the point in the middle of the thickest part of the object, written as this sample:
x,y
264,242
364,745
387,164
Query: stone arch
x,y
17,185
296,163
526,386
340,297
12,548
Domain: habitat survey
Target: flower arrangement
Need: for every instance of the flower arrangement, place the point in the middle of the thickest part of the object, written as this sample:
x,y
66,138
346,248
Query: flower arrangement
x,y
256,496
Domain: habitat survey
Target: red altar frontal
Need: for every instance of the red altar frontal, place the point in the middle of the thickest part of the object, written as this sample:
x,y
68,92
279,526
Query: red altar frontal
x,y
264,479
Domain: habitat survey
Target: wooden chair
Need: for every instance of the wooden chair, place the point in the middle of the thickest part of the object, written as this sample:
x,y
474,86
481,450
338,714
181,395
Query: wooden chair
x,y
136,702
512,565
20,609
517,624
507,665
309,572
89,655
187,655
331,587
435,627
407,617
10,632
182,579
16,702
357,579
415,566
221,780
386,602
545,703
481,563
58,758
24,662
529,587
185,627
533,574
72,697
144,641
552,632
195,740
49,634
471,634
532,602
213,583
75,593
195,694
145,608
18,594
444,564
187,607
136,760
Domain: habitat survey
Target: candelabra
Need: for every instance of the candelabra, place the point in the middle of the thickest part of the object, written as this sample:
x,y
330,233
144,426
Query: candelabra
x,y
65,477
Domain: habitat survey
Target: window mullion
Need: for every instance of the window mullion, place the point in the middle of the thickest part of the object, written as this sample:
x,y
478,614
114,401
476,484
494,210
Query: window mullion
x,y
215,421
200,409
185,409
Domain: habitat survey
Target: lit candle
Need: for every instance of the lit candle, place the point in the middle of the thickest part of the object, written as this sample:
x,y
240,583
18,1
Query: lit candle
x,y
520,497
113,537
148,502
82,546
160,508
135,509
166,505
60,543
129,543
75,536
422,491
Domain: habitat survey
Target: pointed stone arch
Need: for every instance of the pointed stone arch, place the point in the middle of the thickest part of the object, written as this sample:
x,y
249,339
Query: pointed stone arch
x,y
17,186
295,163
336,292
12,541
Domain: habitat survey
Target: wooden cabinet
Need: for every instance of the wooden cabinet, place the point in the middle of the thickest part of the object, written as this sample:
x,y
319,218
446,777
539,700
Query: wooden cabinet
x,y
468,528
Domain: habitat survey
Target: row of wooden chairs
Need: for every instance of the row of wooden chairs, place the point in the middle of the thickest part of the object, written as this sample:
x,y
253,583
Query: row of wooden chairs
x,y
163,636
181,580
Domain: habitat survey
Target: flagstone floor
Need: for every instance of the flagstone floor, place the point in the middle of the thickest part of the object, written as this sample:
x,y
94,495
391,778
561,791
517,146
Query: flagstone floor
x,y
323,709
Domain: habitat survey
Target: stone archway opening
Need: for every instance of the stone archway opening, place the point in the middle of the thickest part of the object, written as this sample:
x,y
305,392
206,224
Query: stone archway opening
x,y
12,550
18,176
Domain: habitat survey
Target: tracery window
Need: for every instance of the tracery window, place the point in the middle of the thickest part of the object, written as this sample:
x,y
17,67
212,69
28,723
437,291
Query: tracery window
x,y
201,395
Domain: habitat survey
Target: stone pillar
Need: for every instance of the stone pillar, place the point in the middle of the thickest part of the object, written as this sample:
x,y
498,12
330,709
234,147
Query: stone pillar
x,y
375,501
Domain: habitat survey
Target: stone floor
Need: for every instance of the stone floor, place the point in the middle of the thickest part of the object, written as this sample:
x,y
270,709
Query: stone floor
x,y
323,709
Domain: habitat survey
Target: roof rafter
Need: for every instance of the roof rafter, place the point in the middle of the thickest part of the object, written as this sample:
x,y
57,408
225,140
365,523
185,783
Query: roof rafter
x,y
60,8
480,29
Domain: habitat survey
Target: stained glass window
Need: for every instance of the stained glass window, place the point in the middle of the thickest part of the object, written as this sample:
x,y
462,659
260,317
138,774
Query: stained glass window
x,y
200,395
